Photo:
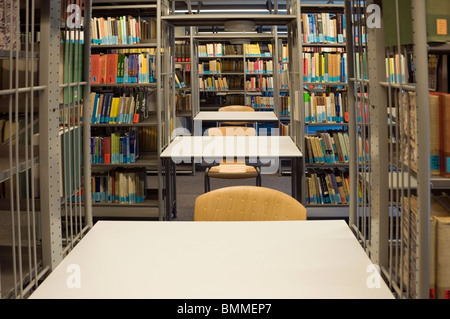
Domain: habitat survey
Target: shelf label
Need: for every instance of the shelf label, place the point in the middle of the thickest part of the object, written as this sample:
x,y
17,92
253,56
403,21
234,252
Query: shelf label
x,y
441,26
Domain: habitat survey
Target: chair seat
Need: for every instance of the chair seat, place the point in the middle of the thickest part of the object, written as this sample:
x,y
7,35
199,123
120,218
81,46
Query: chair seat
x,y
232,171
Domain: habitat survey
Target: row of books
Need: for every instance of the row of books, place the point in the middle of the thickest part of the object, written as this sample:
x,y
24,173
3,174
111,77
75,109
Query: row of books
x,y
439,134
252,67
213,84
71,65
259,66
398,68
117,148
250,49
284,52
284,80
180,80
232,66
361,66
439,220
117,68
324,67
120,186
219,49
113,109
362,109
148,137
260,102
285,104
184,102
326,107
359,28
213,66
327,147
216,49
182,51
260,83
363,149
121,30
326,186
72,114
285,129
257,49
323,27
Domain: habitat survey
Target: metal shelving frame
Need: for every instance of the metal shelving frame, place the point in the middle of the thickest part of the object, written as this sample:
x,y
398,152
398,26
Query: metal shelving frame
x,y
258,37
47,223
394,235
298,125
163,120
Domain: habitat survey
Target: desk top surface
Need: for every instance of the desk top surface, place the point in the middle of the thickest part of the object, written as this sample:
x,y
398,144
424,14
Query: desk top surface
x,y
220,146
215,260
235,116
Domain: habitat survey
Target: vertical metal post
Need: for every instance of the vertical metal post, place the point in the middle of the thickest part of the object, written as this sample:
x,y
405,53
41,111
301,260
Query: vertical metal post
x,y
87,115
352,126
276,73
378,138
423,124
49,145
159,100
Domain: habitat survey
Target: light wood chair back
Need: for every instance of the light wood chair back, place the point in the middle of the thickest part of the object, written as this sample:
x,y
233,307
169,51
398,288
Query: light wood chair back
x,y
247,203
236,108
232,131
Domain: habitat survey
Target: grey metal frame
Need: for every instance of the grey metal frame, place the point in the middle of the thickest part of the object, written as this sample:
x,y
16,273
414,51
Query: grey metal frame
x,y
36,234
298,125
387,231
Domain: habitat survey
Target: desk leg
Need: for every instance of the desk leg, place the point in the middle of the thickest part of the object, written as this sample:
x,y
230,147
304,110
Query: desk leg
x,y
296,180
174,188
170,191
168,186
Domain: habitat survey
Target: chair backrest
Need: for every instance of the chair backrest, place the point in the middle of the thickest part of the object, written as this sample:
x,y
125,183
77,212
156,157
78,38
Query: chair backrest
x,y
232,131
247,203
236,108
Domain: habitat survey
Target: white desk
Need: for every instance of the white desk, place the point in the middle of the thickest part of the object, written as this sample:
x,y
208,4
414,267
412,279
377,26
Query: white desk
x,y
215,260
186,148
258,150
215,116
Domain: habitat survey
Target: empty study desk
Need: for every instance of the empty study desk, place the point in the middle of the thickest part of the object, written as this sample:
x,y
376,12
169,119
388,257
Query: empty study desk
x,y
265,151
206,260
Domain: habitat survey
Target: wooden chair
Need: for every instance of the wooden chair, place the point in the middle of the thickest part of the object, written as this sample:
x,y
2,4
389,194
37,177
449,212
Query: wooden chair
x,y
234,169
247,203
236,108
